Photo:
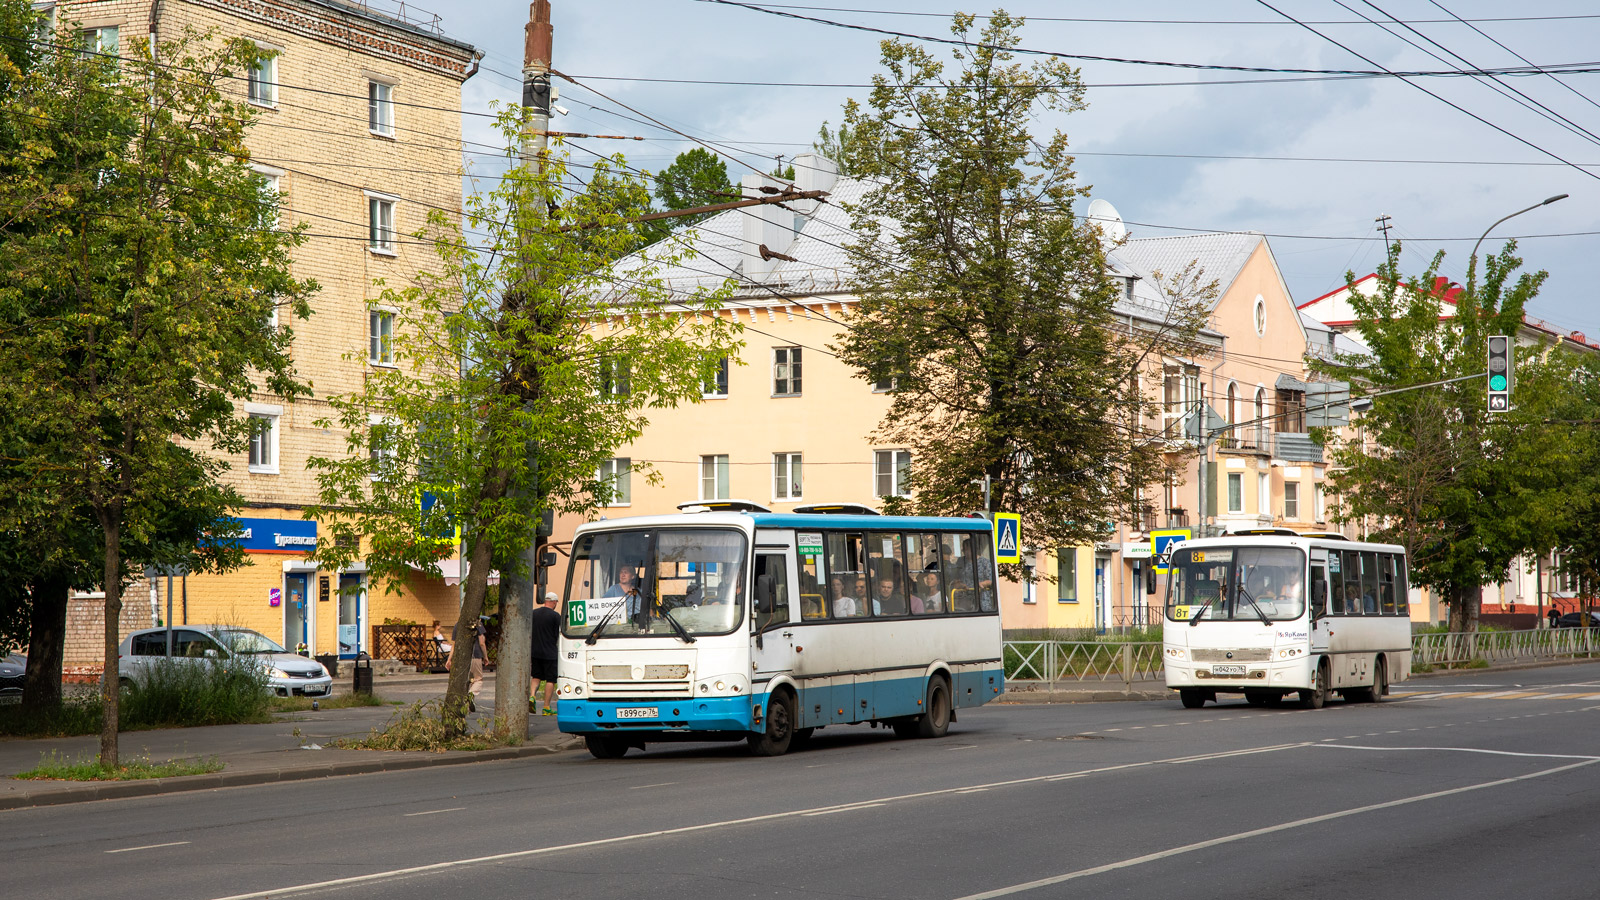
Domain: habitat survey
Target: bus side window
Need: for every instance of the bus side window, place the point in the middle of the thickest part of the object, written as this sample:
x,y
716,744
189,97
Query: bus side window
x,y
847,577
1319,589
955,559
1335,583
983,560
1369,583
1352,582
1402,595
886,573
1386,584
813,588
772,567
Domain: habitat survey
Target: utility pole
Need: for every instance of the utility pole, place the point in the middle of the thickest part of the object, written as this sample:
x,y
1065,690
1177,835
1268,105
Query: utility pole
x,y
518,583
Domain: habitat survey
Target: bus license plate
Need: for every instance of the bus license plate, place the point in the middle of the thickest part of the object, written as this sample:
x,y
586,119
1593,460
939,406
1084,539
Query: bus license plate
x,y
637,712
1227,670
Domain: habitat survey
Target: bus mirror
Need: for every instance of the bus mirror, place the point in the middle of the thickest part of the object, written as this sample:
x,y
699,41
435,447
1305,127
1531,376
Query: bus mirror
x,y
1150,579
763,593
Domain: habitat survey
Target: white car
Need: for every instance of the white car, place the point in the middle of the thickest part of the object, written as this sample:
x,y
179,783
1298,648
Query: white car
x,y
288,674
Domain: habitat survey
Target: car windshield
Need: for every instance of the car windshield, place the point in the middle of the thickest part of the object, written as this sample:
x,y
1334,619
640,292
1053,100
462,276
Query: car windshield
x,y
1236,583
16,659
632,581
243,640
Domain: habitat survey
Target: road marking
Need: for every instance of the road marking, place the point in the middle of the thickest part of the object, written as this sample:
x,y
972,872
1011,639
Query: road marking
x,y
148,847
1468,750
967,747
432,811
970,791
1272,829
829,812
640,787
731,823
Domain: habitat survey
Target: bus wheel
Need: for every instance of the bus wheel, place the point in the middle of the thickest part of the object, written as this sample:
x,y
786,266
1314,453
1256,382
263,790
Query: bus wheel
x,y
779,733
1315,696
936,721
1380,682
1192,699
606,746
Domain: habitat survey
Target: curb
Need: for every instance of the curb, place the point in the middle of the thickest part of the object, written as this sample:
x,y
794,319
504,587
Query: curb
x,y
1038,697
55,795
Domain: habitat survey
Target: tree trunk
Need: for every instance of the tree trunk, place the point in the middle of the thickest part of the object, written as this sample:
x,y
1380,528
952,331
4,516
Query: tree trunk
x,y
1464,605
110,678
514,666
47,632
453,716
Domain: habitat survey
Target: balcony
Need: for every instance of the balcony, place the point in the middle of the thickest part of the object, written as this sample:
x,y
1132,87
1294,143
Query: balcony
x,y
1296,447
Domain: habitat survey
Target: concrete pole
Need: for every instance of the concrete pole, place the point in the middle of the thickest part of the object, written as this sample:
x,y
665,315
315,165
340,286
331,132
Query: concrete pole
x,y
515,664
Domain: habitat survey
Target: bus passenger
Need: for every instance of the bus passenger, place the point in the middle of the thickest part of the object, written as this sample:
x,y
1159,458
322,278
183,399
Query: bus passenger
x,y
844,605
926,598
888,601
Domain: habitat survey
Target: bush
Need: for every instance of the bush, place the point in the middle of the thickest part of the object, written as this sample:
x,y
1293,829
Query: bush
x,y
419,727
72,716
178,694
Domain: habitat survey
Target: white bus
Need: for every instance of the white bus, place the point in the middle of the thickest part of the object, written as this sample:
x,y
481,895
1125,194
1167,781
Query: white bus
x,y
734,623
1238,618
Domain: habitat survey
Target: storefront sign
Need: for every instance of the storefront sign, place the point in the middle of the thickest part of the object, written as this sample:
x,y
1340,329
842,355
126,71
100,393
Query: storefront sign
x,y
274,596
276,535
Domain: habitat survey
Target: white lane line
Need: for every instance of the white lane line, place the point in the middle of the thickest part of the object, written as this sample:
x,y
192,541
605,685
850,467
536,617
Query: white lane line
x,y
1272,829
970,791
730,823
148,847
967,747
1467,750
640,787
829,812
433,811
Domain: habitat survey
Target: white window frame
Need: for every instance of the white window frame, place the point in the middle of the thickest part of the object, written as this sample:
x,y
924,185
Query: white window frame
x,y
895,466
1177,405
787,476
886,385
617,472
1291,501
1235,479
714,477
261,82
377,315
378,452
380,109
1319,500
381,230
99,33
791,363
271,417
717,387
1264,493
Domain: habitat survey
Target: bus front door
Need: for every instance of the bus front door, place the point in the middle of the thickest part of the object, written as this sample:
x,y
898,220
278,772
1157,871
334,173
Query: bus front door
x,y
772,647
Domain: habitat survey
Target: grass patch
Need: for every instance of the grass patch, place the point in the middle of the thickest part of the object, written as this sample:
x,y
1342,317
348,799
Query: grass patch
x,y
72,716
55,767
418,727
173,694
342,701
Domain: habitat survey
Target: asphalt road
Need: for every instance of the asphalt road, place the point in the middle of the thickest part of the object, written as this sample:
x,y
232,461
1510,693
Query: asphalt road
x,y
1479,785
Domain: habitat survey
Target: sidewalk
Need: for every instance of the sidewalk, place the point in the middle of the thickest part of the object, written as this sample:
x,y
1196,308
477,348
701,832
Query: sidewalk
x,y
293,747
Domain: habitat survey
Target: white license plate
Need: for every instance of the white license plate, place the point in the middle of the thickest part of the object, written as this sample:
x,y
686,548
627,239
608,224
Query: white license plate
x,y
10,699
314,689
1227,670
637,712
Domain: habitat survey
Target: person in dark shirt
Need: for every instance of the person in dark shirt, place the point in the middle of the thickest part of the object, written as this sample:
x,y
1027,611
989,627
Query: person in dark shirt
x,y
546,634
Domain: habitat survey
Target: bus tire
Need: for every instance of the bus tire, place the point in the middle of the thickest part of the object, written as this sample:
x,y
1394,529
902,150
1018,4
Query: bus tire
x,y
1317,694
1380,682
775,738
606,746
936,721
1192,699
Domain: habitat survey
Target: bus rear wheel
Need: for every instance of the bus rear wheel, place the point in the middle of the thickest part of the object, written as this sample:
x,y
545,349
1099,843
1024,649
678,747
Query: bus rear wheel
x,y
936,721
774,740
1315,696
1380,682
606,746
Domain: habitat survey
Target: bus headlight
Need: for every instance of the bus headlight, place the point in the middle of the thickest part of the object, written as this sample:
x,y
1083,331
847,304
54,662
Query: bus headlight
x,y
1176,652
721,686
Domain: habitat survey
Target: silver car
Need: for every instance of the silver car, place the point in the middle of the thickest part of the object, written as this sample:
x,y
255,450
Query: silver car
x,y
288,674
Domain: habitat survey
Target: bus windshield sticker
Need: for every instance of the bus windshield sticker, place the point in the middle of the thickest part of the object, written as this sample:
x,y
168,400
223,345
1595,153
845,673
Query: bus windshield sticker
x,y
577,614
808,544
1180,612
1199,556
1333,563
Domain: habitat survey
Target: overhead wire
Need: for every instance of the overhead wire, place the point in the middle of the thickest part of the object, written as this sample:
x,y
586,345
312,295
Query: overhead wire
x,y
1519,56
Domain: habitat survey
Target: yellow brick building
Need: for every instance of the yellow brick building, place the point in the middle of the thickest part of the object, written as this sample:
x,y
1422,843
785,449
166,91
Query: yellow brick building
x,y
359,131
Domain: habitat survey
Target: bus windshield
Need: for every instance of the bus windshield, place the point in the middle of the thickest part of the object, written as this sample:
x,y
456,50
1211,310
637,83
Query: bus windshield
x,y
640,582
1237,583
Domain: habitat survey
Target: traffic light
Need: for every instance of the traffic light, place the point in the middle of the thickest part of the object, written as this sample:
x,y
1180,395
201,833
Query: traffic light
x,y
1500,373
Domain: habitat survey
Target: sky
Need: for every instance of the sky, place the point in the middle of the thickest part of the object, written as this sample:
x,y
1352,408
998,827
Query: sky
x,y
1312,161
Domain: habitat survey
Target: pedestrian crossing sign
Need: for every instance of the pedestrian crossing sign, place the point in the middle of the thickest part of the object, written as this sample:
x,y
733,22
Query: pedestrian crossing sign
x,y
1007,537
1162,543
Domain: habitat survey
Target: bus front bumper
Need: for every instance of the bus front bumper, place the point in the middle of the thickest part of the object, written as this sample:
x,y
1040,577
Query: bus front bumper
x,y
655,714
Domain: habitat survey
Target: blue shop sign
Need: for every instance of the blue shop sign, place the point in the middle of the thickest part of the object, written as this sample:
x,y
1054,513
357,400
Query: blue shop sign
x,y
277,535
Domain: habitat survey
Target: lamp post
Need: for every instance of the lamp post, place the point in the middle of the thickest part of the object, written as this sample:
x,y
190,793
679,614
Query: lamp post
x,y
1472,261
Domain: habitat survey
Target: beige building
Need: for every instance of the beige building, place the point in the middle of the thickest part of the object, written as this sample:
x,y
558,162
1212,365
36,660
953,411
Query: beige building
x,y
359,132
788,424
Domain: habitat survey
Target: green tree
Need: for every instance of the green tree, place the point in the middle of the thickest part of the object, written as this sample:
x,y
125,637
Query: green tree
x,y
696,178
989,303
1464,491
842,146
136,283
520,368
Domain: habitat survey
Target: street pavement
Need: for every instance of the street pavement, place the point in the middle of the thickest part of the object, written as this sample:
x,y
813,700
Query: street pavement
x,y
1478,784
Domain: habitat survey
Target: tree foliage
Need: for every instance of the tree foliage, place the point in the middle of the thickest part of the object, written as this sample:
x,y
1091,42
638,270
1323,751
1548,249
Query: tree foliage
x,y
1465,491
989,302
841,146
697,177
136,281
519,368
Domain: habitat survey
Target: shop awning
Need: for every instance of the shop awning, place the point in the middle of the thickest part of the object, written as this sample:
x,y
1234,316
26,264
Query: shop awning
x,y
451,570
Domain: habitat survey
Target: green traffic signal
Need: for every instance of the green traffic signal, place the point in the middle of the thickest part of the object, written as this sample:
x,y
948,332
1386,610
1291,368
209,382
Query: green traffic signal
x,y
1497,382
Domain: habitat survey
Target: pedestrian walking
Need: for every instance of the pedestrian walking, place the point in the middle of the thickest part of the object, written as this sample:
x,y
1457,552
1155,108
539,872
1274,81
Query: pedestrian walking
x,y
480,655
546,635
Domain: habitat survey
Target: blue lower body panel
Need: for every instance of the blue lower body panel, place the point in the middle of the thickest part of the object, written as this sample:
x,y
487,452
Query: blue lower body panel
x,y
683,714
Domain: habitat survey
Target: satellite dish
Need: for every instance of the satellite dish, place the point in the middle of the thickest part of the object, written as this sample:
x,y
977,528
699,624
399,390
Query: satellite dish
x,y
1103,214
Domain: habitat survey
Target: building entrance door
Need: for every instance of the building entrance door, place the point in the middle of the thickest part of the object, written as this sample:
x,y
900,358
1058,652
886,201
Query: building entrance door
x,y
297,630
352,605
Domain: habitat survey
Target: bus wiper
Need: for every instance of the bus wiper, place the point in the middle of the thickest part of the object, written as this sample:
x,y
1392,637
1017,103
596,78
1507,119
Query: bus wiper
x,y
1195,619
678,627
1255,606
604,621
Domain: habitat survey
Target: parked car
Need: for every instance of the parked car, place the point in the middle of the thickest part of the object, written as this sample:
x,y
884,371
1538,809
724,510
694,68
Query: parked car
x,y
288,674
1576,619
13,667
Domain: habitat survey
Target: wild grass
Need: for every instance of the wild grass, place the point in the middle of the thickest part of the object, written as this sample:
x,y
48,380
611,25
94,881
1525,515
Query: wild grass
x,y
54,766
340,701
420,727
173,694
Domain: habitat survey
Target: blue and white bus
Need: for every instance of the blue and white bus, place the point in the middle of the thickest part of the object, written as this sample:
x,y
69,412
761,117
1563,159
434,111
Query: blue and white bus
x,y
728,622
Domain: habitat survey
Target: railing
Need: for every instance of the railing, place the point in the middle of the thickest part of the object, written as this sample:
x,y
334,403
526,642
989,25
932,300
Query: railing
x,y
1454,649
1049,662
411,644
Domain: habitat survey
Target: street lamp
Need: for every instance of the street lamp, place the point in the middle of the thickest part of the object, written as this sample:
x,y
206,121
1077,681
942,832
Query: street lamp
x,y
1472,261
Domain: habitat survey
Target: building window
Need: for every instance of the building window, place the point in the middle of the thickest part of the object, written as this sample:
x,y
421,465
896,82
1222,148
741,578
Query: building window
x,y
1292,412
380,224
714,477
263,444
1067,575
1180,386
717,382
380,333
1235,492
1232,409
271,196
786,476
263,80
99,40
1259,315
616,376
885,385
892,471
380,108
380,446
1319,498
1263,494
617,477
1261,419
786,372
1291,500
